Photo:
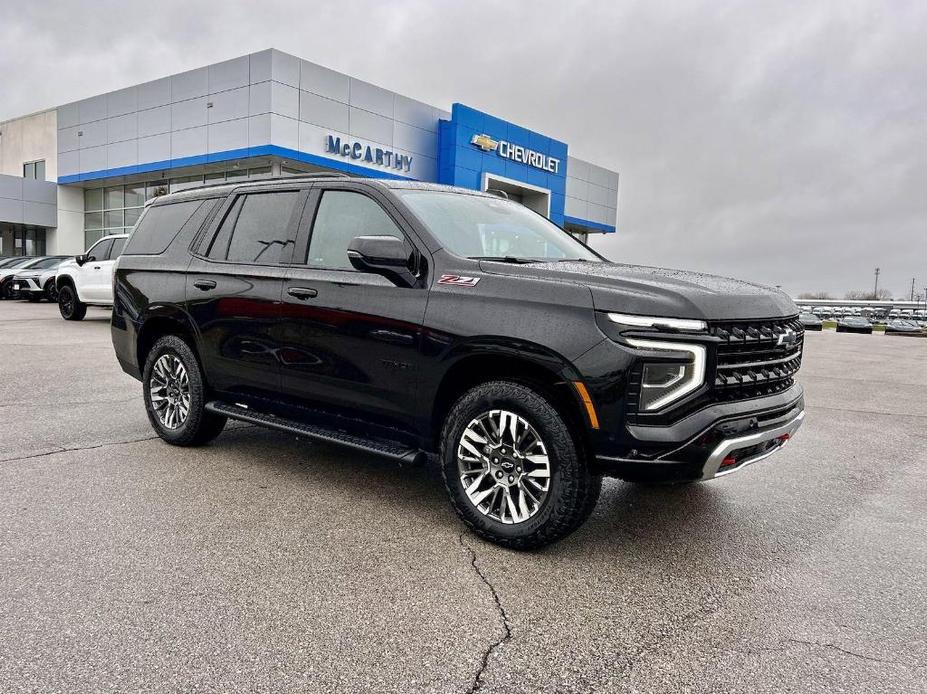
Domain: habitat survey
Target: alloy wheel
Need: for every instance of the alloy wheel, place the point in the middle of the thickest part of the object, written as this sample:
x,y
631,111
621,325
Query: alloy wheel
x,y
504,467
169,390
66,299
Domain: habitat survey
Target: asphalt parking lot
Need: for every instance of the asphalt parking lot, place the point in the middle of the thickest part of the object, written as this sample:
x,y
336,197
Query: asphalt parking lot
x,y
266,564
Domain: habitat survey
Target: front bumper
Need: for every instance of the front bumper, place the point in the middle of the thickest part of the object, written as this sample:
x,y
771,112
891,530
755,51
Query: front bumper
x,y
734,454
711,443
23,284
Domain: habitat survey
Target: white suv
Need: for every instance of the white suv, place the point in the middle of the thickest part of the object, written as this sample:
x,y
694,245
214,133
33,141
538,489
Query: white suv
x,y
87,280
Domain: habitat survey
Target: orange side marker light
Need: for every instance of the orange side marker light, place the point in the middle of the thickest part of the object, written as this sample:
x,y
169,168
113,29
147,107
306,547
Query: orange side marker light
x,y
587,402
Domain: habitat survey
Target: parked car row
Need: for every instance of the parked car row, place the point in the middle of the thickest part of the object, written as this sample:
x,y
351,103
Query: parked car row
x,y
29,277
873,314
859,324
74,282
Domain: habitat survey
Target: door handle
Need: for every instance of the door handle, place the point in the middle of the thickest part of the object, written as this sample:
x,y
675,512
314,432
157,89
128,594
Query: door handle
x,y
393,337
204,285
96,267
302,293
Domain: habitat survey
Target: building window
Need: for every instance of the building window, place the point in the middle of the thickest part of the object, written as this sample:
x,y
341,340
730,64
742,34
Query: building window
x,y
34,170
116,209
29,242
113,210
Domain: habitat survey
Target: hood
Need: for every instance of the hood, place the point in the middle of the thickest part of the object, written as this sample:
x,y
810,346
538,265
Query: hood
x,y
10,271
654,291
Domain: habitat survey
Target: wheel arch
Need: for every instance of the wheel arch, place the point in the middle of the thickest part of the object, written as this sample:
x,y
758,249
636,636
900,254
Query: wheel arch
x,y
533,365
161,321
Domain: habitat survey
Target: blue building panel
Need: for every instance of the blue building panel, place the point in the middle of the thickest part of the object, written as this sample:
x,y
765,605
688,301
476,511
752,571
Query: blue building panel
x,y
486,144
597,226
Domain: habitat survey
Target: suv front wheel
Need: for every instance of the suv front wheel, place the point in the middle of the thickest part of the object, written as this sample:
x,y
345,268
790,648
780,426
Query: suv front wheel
x,y
175,395
512,468
69,305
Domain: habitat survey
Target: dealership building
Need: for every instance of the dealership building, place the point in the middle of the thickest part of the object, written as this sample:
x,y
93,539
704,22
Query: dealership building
x,y
73,173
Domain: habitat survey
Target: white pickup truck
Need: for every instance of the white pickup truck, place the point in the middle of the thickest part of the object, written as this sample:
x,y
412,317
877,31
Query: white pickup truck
x,y
87,280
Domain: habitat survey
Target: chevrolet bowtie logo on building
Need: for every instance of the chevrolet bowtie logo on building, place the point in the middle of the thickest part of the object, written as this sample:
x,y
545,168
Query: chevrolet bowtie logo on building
x,y
522,155
485,143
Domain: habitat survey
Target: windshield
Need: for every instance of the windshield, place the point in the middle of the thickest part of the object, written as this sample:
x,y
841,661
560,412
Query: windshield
x,y
46,263
22,263
475,226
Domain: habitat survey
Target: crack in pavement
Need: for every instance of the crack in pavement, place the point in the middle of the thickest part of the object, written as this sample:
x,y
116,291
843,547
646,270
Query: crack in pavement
x,y
506,625
29,403
91,447
850,410
862,656
76,448
781,648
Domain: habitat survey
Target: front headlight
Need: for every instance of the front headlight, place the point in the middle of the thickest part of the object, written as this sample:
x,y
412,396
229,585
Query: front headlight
x,y
664,382
658,323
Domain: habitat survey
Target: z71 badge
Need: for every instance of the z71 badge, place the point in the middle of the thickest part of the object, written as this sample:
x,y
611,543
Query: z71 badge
x,y
459,280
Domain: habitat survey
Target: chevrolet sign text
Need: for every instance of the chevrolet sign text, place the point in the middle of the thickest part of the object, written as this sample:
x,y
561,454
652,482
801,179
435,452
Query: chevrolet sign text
x,y
522,155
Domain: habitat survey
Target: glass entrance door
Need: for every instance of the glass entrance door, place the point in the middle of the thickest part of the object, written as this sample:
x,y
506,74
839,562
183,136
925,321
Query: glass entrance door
x,y
29,241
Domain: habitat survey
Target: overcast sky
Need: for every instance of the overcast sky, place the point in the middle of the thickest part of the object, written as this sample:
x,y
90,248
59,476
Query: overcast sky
x,y
781,142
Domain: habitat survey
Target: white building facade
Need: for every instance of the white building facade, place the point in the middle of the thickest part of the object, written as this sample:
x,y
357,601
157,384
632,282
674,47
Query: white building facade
x,y
73,173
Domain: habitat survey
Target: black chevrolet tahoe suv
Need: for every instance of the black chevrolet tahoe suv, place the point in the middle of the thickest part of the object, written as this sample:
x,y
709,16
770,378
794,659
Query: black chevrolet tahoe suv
x,y
420,322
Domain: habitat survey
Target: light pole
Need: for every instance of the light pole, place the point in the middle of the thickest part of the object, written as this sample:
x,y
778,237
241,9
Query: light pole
x,y
875,292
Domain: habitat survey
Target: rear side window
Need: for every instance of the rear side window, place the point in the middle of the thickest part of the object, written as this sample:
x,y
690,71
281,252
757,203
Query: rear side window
x,y
116,250
256,229
101,249
162,223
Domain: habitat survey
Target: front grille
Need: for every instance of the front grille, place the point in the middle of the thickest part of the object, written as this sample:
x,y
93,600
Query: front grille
x,y
745,361
756,358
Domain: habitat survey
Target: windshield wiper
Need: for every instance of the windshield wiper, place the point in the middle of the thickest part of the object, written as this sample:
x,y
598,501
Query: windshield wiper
x,y
505,259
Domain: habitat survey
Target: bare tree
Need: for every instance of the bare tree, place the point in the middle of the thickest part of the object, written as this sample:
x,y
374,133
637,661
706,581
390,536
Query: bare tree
x,y
815,295
866,295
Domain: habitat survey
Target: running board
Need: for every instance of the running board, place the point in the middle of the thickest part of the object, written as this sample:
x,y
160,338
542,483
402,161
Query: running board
x,y
375,446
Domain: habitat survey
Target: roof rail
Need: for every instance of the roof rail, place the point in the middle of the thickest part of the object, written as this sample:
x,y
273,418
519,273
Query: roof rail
x,y
290,177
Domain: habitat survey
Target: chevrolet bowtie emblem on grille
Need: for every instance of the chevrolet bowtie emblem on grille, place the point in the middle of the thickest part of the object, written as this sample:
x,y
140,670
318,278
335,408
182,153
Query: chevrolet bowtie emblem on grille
x,y
485,143
786,339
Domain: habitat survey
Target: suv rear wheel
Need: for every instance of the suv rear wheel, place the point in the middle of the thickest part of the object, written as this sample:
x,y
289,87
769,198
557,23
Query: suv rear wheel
x,y
513,471
69,305
175,395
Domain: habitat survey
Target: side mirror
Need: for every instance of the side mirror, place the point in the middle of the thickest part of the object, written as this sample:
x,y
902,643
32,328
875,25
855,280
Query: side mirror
x,y
383,255
81,259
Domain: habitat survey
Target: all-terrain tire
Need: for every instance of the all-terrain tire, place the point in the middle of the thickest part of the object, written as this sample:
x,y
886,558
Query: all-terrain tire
x,y
573,491
199,426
